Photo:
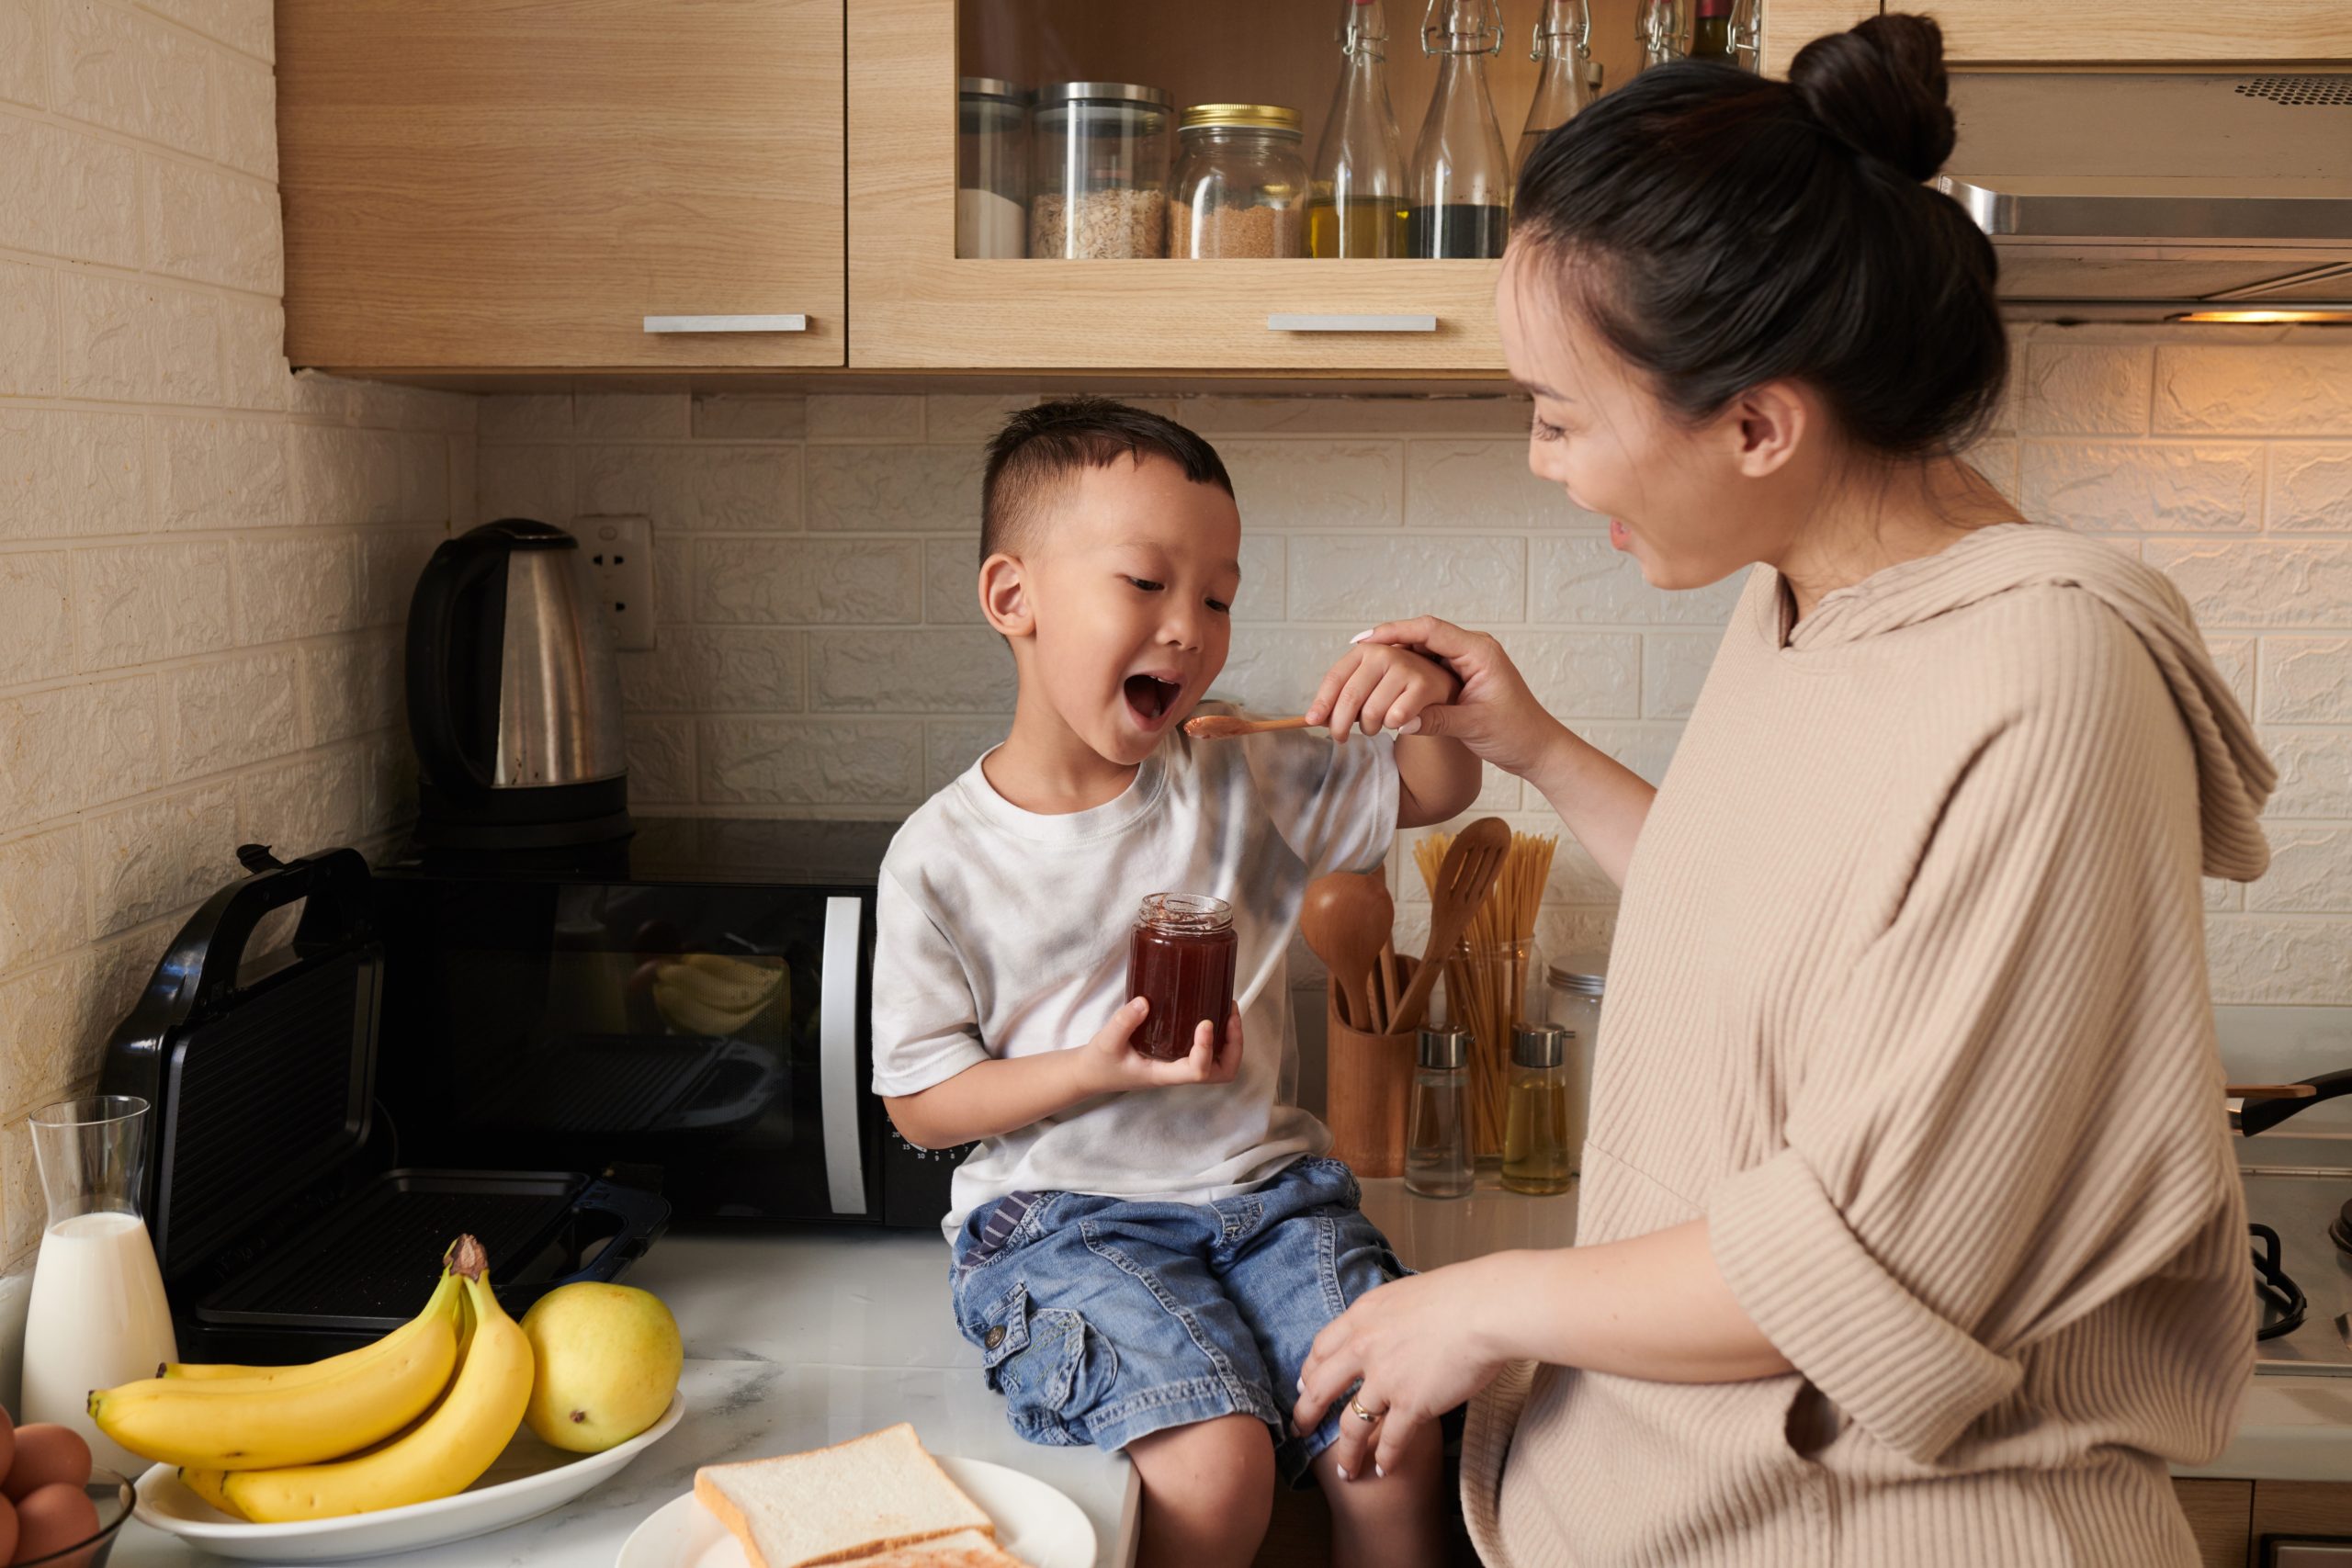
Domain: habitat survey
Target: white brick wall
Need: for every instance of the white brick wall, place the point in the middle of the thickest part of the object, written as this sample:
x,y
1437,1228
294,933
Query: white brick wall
x,y
203,562
822,655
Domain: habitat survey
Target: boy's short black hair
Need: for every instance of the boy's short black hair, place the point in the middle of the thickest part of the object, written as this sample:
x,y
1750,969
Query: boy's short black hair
x,y
1040,448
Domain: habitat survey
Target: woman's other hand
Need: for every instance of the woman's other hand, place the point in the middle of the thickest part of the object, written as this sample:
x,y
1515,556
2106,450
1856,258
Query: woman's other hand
x,y
1414,1346
1493,713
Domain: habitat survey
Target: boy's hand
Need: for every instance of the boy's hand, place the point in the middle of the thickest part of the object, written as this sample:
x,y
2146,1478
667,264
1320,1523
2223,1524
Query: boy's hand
x,y
1112,1064
1379,686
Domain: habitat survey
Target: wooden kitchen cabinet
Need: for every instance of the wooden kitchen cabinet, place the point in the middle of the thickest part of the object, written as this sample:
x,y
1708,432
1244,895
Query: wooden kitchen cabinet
x,y
2220,1516
501,185
2144,31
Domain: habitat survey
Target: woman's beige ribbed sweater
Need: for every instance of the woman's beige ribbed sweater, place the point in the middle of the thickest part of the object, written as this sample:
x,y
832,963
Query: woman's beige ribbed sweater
x,y
1908,1001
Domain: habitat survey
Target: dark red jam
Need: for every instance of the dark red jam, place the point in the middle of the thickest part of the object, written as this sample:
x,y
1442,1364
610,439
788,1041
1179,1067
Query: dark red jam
x,y
1182,961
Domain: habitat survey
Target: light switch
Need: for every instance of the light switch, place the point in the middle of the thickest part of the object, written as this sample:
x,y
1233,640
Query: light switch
x,y
620,562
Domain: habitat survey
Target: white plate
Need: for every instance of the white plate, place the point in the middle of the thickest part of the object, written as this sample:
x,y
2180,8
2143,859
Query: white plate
x,y
1034,1521
527,1480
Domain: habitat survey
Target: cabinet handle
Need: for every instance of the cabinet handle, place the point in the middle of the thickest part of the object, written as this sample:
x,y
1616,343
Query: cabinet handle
x,y
727,323
1278,323
837,1077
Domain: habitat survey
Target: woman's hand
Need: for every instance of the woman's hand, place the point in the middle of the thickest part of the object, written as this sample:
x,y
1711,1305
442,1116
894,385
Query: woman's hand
x,y
1415,1347
1379,686
1111,1062
1493,713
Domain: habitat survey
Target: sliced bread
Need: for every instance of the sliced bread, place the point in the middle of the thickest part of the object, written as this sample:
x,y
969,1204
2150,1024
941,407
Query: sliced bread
x,y
855,1499
965,1548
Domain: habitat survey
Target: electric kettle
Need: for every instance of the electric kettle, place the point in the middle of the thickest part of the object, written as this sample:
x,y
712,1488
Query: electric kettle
x,y
513,697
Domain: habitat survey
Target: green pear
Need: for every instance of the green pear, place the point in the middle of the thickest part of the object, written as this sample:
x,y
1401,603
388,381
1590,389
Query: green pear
x,y
607,1362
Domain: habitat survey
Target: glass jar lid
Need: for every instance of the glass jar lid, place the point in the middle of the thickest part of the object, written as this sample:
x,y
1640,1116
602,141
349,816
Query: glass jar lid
x,y
992,87
1585,974
1240,116
1056,94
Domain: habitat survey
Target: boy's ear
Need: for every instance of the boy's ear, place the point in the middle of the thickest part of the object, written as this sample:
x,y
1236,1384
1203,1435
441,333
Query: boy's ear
x,y
1004,596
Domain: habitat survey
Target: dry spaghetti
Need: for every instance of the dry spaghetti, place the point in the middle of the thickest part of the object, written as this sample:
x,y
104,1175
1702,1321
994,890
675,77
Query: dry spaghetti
x,y
1487,975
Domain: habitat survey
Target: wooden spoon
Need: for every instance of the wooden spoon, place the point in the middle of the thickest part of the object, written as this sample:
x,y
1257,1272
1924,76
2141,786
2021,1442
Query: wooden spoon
x,y
1472,863
1226,726
1347,919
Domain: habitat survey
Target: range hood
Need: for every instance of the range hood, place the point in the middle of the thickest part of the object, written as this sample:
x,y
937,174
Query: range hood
x,y
2145,196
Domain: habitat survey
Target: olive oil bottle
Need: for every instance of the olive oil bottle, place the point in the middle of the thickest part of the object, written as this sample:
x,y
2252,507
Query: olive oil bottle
x,y
1356,200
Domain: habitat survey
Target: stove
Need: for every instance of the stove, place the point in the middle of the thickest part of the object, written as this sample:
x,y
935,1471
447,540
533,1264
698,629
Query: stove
x,y
2298,1187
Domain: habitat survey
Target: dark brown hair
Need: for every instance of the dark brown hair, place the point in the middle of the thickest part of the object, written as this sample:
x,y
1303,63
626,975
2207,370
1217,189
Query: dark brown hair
x,y
1040,448
1723,231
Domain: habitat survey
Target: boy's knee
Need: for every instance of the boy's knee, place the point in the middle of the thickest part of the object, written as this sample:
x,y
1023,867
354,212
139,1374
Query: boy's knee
x,y
1225,1465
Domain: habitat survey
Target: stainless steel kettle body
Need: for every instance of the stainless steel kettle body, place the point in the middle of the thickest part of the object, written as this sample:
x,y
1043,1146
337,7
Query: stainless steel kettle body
x,y
514,696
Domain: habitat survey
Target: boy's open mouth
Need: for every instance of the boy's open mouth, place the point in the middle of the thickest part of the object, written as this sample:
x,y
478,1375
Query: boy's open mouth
x,y
1149,698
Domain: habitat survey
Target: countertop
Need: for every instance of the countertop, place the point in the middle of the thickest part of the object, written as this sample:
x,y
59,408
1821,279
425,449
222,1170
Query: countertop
x,y
800,1339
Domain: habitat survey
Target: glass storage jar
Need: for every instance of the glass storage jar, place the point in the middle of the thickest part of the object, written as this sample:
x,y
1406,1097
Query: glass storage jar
x,y
991,168
1241,187
1101,191
1574,987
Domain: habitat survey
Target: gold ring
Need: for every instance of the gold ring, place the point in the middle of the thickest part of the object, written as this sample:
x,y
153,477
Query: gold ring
x,y
1356,1408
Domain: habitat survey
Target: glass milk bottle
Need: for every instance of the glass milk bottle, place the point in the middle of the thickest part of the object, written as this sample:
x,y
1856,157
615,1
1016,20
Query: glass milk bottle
x,y
97,1315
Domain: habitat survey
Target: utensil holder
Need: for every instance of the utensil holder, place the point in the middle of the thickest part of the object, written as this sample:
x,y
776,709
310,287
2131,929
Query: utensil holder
x,y
1368,1079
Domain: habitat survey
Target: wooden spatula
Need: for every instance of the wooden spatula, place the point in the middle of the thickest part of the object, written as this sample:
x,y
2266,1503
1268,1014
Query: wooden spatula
x,y
1472,863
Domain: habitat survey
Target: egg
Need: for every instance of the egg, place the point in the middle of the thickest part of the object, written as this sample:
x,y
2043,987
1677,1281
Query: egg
x,y
46,1455
52,1518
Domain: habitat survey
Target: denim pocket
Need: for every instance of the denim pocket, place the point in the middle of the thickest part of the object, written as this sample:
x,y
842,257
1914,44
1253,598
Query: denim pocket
x,y
1049,1364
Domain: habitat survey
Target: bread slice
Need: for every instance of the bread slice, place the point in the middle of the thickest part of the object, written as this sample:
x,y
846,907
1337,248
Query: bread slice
x,y
855,1499
965,1548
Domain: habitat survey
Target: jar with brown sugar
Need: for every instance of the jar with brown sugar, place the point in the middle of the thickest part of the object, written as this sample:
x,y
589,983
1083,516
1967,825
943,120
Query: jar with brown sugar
x,y
1241,187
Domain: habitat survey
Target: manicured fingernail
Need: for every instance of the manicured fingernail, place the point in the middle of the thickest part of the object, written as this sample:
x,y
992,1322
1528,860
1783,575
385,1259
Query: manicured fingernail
x,y
1302,1383
1378,1474
1358,638
1343,1472
1410,726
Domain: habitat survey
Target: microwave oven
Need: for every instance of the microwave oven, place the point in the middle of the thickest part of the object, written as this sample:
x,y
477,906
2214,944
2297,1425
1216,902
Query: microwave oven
x,y
684,1009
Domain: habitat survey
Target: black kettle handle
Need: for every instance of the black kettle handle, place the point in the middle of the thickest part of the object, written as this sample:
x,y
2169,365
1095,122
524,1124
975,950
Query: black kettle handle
x,y
456,566
2261,1115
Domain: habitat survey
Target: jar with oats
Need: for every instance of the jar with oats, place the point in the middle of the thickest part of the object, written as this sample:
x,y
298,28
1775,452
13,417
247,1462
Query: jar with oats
x,y
1240,188
1101,191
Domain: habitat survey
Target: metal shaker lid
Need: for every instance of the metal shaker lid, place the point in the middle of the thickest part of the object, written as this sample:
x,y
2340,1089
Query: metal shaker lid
x,y
1445,1048
1539,1045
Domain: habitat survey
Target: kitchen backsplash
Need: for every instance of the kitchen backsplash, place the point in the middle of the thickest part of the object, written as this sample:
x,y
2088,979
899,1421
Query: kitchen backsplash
x,y
821,652
203,561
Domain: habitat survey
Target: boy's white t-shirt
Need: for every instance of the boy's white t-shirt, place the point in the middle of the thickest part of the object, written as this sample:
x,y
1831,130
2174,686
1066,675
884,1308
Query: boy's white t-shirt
x,y
1005,933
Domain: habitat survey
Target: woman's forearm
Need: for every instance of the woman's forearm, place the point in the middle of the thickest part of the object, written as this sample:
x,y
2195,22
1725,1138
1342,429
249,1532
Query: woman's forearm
x,y
1655,1306
1602,802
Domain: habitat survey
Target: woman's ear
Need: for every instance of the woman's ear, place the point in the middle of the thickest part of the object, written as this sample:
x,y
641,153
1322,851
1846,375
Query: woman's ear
x,y
1004,596
1772,421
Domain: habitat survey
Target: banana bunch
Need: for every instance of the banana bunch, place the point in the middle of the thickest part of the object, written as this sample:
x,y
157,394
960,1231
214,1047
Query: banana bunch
x,y
711,993
418,1414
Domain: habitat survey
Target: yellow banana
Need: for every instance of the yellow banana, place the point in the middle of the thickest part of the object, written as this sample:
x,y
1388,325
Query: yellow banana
x,y
742,988
206,1483
442,1454
256,1423
693,1014
446,1298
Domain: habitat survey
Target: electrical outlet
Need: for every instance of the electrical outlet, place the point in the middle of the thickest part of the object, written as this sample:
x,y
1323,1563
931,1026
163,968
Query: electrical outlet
x,y
620,562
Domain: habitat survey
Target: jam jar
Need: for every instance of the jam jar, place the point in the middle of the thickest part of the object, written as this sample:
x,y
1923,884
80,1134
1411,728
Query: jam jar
x,y
1180,960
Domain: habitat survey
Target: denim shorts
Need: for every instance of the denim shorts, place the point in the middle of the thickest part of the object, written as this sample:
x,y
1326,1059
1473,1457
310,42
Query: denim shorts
x,y
1103,1320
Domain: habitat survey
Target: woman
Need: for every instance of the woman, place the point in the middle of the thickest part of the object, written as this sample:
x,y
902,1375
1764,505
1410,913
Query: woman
x,y
1909,1228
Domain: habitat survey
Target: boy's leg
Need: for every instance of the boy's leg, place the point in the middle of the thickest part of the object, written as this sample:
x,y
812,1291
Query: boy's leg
x,y
1208,1490
1395,1521
1300,1251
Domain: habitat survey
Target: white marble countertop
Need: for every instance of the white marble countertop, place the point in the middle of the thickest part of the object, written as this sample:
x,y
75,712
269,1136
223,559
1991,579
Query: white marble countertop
x,y
808,1337
800,1339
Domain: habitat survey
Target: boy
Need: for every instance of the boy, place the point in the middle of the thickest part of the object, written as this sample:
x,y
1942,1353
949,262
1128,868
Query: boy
x,y
1145,1251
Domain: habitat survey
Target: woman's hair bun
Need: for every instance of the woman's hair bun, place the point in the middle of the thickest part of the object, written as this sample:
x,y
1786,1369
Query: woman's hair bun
x,y
1880,88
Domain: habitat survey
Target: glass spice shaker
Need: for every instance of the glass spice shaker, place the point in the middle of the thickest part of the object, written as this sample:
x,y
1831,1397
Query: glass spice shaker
x,y
1536,1128
1437,1136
